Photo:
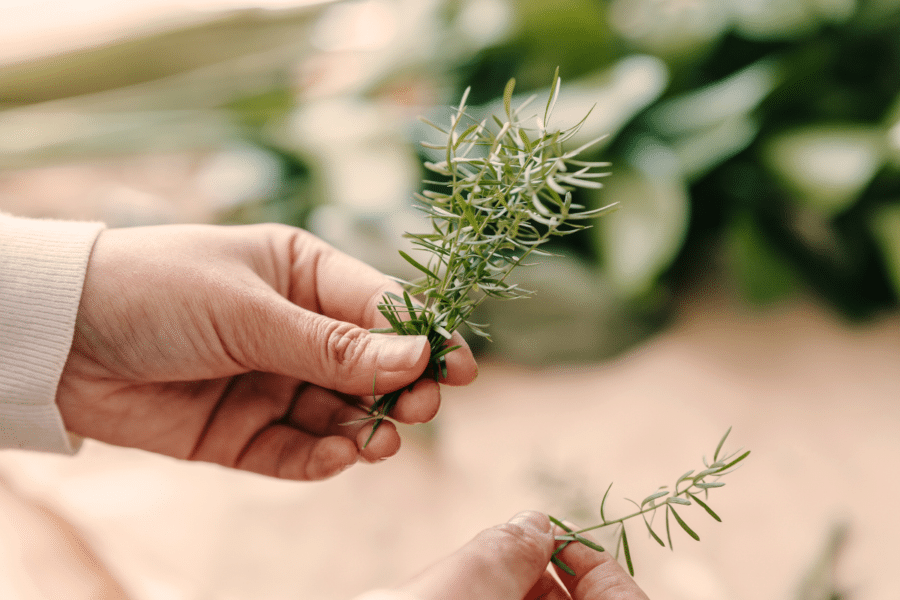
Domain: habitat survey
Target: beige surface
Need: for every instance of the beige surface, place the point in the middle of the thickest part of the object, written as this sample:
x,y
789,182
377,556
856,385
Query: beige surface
x,y
815,400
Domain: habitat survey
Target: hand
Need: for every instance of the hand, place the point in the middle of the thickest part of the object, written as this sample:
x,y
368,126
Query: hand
x,y
243,346
510,562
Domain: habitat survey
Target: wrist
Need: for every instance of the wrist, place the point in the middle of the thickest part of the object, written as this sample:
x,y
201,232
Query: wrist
x,y
42,269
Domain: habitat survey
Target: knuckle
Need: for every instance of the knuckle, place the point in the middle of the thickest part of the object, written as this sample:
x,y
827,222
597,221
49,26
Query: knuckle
x,y
345,343
237,335
512,543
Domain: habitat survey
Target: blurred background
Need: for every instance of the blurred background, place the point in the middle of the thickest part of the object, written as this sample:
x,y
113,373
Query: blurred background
x,y
750,277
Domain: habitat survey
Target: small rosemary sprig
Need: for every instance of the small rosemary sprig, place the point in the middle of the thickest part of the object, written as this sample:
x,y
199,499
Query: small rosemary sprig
x,y
507,190
687,491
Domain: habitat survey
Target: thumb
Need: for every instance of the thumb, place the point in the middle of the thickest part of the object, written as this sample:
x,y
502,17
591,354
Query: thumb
x,y
336,355
504,561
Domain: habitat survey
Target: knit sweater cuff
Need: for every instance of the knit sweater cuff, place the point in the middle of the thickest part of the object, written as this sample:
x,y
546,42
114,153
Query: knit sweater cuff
x,y
42,269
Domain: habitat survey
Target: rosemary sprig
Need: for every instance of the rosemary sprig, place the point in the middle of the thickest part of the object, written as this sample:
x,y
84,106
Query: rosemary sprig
x,y
507,190
687,491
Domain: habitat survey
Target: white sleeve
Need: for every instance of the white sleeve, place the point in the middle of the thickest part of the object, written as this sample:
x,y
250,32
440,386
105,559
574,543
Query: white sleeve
x,y
42,270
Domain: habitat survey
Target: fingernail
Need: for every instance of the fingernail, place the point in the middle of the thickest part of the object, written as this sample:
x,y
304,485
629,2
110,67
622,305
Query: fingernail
x,y
399,352
532,519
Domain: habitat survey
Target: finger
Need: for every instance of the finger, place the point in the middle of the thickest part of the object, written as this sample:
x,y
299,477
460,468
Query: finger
x,y
598,576
325,412
420,404
289,453
505,561
461,366
265,332
242,407
246,430
249,406
547,588
322,412
383,444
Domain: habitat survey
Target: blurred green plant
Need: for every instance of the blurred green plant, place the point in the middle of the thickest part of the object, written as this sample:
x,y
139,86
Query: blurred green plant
x,y
771,158
821,582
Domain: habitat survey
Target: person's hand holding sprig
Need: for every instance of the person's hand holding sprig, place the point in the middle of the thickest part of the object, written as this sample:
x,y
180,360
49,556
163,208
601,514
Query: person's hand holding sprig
x,y
244,346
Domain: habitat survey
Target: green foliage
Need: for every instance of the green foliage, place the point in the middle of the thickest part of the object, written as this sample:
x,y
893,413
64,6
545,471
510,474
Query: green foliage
x,y
686,491
779,137
506,191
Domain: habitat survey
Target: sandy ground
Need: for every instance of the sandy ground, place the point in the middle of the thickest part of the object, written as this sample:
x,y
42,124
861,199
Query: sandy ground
x,y
814,399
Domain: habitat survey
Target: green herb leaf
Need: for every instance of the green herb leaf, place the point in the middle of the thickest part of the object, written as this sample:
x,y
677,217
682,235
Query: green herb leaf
x,y
418,265
709,486
559,563
653,534
684,525
507,97
627,551
411,310
590,544
706,507
554,94
442,353
559,524
686,476
653,497
736,461
721,443
668,528
603,502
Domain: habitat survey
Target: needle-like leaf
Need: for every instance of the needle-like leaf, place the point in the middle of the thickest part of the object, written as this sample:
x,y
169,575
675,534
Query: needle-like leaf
x,y
706,507
721,443
684,525
627,552
559,563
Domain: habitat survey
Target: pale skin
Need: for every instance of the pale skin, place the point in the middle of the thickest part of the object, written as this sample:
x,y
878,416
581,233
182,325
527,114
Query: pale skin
x,y
250,347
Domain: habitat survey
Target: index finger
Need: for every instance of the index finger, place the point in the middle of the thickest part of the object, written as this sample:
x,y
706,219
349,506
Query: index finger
x,y
598,576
